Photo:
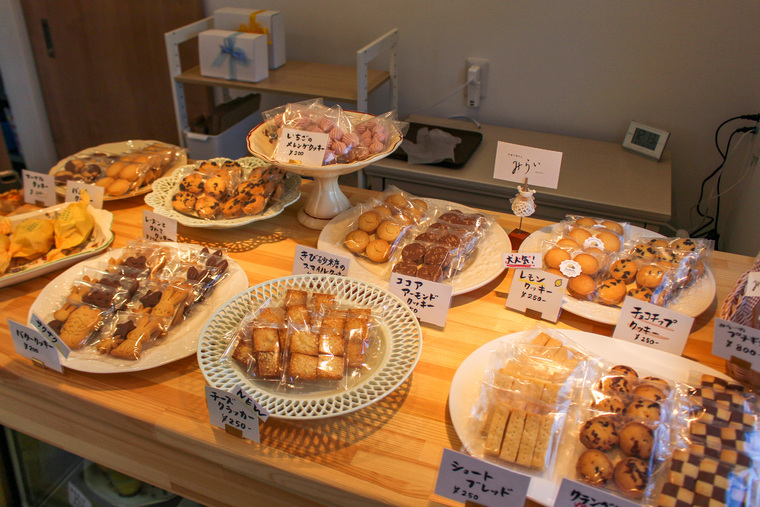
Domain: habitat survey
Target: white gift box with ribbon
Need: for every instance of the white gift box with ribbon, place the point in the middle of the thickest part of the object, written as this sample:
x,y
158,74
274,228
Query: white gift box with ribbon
x,y
232,55
270,23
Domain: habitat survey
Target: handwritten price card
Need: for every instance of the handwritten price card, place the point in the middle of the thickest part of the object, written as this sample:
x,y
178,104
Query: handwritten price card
x,y
158,227
753,284
313,261
50,335
534,289
32,345
518,163
430,301
464,478
227,410
732,339
308,148
653,326
74,193
523,261
39,187
575,494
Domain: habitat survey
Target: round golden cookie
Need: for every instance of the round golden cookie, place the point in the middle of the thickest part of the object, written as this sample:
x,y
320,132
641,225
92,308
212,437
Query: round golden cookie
x,y
616,384
685,244
568,242
206,206
192,183
397,201
130,172
118,187
232,207
581,286
631,477
658,243
611,292
114,169
599,433
589,264
208,166
184,202
383,210
255,205
644,251
585,222
388,230
357,241
216,187
610,404
105,182
420,204
624,270
610,240
579,235
649,392
641,293
637,440
650,276
624,370
643,409
613,226
369,221
378,250
555,256
594,467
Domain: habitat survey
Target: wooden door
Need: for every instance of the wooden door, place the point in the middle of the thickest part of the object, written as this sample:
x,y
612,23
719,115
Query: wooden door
x,y
103,68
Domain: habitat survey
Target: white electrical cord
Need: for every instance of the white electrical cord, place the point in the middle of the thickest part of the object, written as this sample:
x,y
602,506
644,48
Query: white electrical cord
x,y
444,98
746,171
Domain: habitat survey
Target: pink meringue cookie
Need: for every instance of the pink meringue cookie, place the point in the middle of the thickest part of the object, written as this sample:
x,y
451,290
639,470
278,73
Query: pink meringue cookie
x,y
339,147
336,133
361,128
379,137
278,120
326,124
376,147
301,124
316,129
350,138
367,137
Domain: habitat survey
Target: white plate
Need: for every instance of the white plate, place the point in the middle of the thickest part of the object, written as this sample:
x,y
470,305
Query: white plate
x,y
99,484
483,267
102,236
691,302
117,149
180,342
401,346
465,386
164,188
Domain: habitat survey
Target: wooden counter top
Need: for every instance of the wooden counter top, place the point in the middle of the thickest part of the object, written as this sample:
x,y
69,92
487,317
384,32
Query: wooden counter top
x,y
154,424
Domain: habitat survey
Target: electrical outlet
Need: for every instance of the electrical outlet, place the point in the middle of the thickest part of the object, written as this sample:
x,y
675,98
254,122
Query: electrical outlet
x,y
482,64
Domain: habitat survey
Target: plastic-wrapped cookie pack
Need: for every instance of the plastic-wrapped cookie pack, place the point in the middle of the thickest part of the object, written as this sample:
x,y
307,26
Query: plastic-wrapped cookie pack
x,y
121,173
524,401
349,140
307,340
129,306
223,188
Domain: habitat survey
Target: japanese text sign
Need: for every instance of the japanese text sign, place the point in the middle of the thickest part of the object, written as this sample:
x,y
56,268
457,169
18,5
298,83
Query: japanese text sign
x,y
39,187
576,494
534,289
50,335
316,262
464,478
74,192
523,260
231,410
753,284
429,301
732,339
158,227
308,148
653,326
518,163
31,344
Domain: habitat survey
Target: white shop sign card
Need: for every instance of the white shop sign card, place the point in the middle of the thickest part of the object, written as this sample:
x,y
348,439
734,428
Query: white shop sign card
x,y
652,326
39,188
32,345
523,260
464,478
310,261
732,339
307,148
50,335
253,405
576,494
227,410
74,193
158,227
76,497
537,290
429,301
517,163
753,284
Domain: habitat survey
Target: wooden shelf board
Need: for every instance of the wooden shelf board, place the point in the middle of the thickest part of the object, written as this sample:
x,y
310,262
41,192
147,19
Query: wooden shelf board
x,y
334,82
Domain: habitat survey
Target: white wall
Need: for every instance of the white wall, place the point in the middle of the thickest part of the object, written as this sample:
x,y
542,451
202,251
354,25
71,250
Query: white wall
x,y
580,68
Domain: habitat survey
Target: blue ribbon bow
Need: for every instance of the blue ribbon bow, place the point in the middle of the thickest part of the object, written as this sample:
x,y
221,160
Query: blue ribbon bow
x,y
228,49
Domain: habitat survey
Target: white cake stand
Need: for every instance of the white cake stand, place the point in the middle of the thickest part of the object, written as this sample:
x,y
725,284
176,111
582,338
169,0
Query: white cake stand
x,y
327,200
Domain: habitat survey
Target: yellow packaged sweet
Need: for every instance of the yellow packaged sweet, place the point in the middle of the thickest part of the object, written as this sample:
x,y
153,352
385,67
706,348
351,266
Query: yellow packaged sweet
x,y
74,224
31,238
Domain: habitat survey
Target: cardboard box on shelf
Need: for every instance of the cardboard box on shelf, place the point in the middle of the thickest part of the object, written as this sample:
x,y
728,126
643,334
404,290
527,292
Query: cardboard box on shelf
x,y
270,23
232,55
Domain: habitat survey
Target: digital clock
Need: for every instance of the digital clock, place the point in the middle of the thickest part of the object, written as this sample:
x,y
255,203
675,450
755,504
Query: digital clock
x,y
647,141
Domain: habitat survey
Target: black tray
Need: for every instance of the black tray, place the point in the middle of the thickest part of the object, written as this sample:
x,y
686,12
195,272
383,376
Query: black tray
x,y
462,151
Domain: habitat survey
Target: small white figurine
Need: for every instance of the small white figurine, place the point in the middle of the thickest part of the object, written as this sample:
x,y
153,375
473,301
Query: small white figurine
x,y
523,204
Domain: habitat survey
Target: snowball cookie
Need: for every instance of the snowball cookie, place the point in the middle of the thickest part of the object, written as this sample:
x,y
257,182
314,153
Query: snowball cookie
x,y
357,241
554,257
369,221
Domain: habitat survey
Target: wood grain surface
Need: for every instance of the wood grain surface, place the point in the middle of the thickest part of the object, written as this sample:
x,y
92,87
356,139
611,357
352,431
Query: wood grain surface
x,y
154,424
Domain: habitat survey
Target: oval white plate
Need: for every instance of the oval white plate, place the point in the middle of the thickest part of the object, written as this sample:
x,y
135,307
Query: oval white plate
x,y
465,386
401,348
102,238
180,342
116,149
483,267
164,188
691,302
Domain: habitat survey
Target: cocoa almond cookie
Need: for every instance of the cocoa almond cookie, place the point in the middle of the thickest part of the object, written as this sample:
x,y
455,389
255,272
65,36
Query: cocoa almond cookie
x,y
430,272
437,256
599,433
413,252
452,217
449,240
407,268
